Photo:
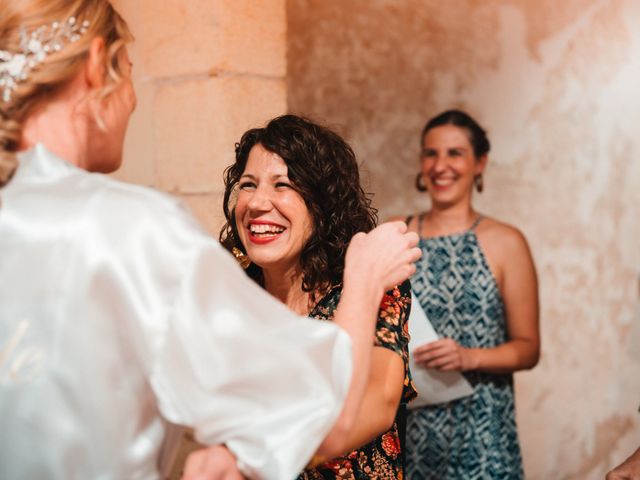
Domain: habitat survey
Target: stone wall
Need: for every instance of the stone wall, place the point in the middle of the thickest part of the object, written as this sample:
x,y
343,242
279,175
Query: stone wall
x,y
556,85
205,72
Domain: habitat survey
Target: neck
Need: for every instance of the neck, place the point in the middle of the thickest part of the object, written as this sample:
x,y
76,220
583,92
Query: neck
x,y
450,219
58,124
286,286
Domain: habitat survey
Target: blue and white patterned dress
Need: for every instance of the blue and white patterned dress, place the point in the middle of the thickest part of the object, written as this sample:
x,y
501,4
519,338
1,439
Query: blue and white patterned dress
x,y
474,437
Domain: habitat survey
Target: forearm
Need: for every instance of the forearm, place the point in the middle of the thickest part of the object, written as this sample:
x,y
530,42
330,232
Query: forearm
x,y
370,424
374,262
375,417
517,354
356,303
380,403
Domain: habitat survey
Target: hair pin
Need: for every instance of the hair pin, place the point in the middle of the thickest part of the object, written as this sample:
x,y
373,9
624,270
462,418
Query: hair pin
x,y
34,48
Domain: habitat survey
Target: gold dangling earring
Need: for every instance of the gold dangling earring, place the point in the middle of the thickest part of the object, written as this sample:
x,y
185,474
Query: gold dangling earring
x,y
241,257
421,187
479,183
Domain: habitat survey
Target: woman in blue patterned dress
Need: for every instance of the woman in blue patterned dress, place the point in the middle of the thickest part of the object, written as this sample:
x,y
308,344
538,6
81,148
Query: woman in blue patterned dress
x,y
292,202
477,284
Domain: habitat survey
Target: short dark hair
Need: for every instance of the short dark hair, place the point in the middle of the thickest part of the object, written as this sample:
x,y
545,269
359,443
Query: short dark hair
x,y
323,170
477,135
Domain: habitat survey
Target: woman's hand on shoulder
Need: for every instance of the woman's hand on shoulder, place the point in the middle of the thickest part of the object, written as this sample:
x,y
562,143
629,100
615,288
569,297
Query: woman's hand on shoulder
x,y
384,257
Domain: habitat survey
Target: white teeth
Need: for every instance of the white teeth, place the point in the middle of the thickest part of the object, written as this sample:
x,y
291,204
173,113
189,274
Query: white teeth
x,y
443,181
263,228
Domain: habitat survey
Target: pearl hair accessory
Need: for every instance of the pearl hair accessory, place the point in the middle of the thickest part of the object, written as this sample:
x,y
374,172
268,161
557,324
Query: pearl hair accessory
x,y
15,67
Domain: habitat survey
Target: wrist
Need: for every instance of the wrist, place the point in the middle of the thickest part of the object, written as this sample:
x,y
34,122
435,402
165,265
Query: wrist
x,y
365,290
358,311
361,276
474,358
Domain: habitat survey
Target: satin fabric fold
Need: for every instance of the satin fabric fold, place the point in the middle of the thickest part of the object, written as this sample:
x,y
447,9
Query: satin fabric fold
x,y
117,310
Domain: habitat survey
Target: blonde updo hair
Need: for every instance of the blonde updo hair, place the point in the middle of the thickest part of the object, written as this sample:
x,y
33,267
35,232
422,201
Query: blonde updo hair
x,y
57,68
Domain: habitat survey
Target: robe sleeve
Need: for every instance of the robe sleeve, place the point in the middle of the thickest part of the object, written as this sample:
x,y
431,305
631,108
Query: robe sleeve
x,y
234,363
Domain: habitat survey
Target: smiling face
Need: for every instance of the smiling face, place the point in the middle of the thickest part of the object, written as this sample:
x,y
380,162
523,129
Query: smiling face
x,y
449,165
272,219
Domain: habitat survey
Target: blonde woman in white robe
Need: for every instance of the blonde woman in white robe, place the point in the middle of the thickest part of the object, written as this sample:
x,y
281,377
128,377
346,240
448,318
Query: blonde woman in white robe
x,y
118,312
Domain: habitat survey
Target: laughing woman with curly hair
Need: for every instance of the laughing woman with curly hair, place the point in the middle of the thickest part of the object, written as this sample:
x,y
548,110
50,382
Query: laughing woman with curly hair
x,y
293,201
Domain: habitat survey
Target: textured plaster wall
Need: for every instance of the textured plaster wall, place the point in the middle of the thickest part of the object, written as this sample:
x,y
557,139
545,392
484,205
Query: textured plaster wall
x,y
557,85
205,71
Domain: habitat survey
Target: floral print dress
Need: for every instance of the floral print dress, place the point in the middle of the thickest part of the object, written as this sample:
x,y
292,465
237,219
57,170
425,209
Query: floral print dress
x,y
380,459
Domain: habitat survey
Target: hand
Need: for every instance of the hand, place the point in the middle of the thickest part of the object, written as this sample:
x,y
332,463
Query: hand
x,y
445,355
628,470
383,257
212,463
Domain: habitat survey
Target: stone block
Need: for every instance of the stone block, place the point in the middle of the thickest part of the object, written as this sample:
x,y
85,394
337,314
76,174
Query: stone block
x,y
179,38
198,122
253,37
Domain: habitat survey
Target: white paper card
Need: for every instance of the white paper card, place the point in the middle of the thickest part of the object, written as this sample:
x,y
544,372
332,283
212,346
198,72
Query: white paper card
x,y
433,386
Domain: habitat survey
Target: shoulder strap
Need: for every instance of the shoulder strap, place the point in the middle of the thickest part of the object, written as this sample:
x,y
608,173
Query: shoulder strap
x,y
476,222
408,219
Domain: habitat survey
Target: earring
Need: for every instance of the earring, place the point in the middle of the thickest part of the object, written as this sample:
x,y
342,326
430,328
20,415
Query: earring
x,y
241,257
479,183
421,187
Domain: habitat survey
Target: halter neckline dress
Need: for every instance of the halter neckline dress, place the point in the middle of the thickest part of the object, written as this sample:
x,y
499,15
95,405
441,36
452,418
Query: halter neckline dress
x,y
474,437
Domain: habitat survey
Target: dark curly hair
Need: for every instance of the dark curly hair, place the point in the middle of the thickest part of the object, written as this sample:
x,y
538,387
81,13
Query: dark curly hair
x,y
323,170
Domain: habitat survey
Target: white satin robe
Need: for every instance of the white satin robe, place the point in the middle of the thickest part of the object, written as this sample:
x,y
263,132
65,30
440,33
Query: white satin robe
x,y
117,309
